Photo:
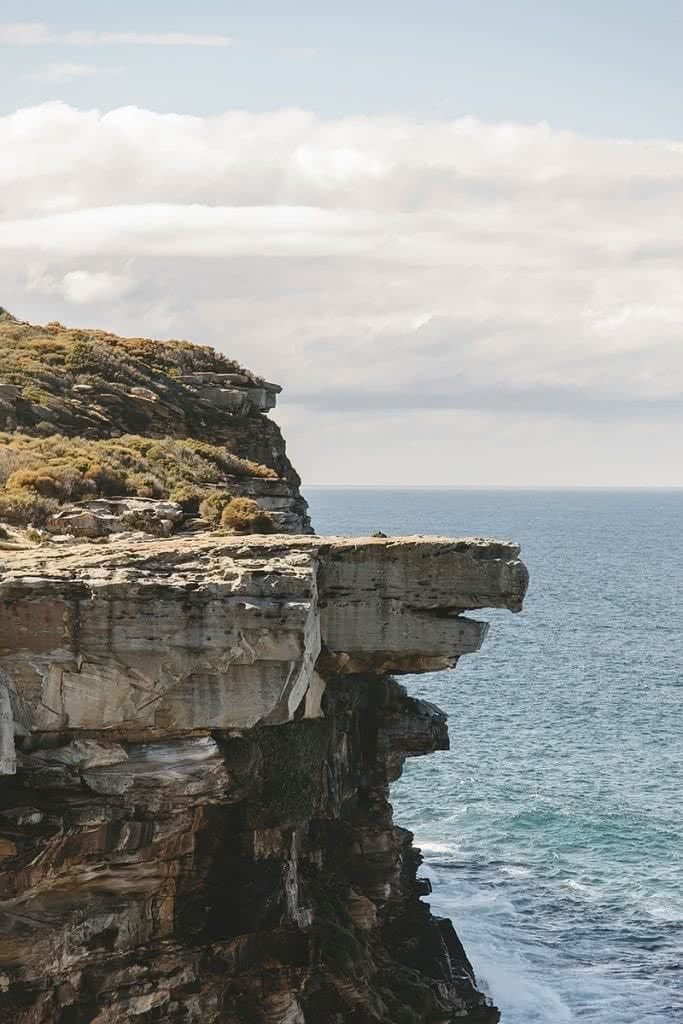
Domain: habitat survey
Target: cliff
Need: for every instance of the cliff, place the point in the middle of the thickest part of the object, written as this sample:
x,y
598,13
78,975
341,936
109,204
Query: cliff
x,y
197,738
86,415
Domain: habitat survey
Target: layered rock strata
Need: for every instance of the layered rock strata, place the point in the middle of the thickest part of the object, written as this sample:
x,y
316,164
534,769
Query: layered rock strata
x,y
198,735
58,384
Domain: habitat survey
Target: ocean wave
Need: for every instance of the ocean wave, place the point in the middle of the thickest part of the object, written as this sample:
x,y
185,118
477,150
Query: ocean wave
x,y
581,888
521,996
432,847
515,870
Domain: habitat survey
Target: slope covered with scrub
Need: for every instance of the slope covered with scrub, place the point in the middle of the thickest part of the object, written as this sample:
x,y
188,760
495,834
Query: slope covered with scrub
x,y
85,414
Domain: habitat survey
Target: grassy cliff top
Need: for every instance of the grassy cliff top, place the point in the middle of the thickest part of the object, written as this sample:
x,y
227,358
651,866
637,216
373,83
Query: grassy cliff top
x,y
88,383
85,413
46,355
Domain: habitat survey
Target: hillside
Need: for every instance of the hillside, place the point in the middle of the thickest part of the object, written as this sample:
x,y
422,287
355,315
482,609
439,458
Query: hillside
x,y
86,415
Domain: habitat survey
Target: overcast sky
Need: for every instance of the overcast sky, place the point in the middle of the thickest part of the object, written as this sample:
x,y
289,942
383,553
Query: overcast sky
x,y
453,231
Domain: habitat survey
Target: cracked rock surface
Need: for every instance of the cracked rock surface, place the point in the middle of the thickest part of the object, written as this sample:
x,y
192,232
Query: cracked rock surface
x,y
197,738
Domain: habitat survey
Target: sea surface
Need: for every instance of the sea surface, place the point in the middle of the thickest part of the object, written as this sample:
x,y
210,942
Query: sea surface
x,y
553,829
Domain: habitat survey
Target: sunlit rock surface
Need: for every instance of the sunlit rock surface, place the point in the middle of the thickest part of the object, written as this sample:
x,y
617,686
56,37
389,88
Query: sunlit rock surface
x,y
198,731
197,736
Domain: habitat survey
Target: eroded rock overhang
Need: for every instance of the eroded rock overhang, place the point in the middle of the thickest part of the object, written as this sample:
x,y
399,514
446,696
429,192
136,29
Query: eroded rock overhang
x,y
150,638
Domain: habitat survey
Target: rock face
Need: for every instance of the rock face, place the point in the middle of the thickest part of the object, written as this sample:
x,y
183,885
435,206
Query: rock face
x,y
58,384
101,517
197,736
198,732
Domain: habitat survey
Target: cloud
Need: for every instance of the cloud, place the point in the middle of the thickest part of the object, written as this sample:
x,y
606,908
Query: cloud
x,y
84,286
446,287
165,229
40,34
66,71
79,287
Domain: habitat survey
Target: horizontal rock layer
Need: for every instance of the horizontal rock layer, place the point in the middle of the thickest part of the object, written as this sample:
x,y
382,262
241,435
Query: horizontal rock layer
x,y
207,633
58,382
198,736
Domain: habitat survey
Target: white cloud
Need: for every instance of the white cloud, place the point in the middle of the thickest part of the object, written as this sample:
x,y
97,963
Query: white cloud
x,y
480,293
165,229
85,286
64,72
40,34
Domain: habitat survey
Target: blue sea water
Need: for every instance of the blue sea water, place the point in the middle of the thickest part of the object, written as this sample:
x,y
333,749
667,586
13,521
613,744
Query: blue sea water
x,y
553,828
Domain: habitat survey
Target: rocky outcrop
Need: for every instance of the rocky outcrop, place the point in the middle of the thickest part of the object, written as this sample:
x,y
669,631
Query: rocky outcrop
x,y
92,387
197,736
198,732
101,517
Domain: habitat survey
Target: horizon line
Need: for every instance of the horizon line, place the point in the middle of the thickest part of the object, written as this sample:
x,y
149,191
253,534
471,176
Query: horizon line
x,y
497,487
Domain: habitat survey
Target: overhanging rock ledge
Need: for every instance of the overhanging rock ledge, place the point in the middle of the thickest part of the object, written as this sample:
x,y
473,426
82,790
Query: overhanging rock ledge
x,y
197,736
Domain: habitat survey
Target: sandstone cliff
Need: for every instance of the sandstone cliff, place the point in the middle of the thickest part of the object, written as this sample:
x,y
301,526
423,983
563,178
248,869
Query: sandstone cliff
x,y
86,415
197,739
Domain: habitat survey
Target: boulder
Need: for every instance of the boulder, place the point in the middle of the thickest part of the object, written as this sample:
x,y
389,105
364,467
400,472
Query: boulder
x,y
101,517
9,392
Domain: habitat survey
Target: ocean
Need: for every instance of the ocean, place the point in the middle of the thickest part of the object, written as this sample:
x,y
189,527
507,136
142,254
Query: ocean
x,y
552,830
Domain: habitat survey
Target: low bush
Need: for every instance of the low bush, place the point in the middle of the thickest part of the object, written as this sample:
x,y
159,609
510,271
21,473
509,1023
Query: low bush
x,y
24,507
89,387
107,480
188,497
62,483
73,468
213,505
243,515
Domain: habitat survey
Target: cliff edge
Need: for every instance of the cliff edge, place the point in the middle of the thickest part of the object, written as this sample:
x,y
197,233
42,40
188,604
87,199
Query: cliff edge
x,y
197,737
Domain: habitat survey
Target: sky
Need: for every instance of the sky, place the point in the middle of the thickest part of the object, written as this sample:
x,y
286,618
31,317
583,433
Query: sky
x,y
452,230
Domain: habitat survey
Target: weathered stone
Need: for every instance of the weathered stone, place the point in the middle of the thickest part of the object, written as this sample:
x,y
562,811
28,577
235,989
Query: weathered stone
x,y
8,758
145,393
208,633
198,734
227,410
232,392
9,392
199,829
100,517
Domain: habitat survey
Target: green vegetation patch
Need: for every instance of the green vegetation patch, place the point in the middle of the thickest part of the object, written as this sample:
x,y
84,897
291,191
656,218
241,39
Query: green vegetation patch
x,y
48,353
38,474
243,515
93,384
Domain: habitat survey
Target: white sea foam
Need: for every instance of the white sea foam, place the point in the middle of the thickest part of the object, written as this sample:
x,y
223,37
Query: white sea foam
x,y
518,992
581,888
515,871
433,846
663,910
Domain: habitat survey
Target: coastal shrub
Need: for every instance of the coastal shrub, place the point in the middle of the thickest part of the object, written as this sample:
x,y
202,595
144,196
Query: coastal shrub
x,y
188,497
146,485
243,515
24,507
63,483
9,461
85,378
81,385
26,346
211,508
107,480
73,468
37,479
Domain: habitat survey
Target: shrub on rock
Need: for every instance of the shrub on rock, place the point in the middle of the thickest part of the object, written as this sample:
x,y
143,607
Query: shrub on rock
x,y
243,515
212,506
24,507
